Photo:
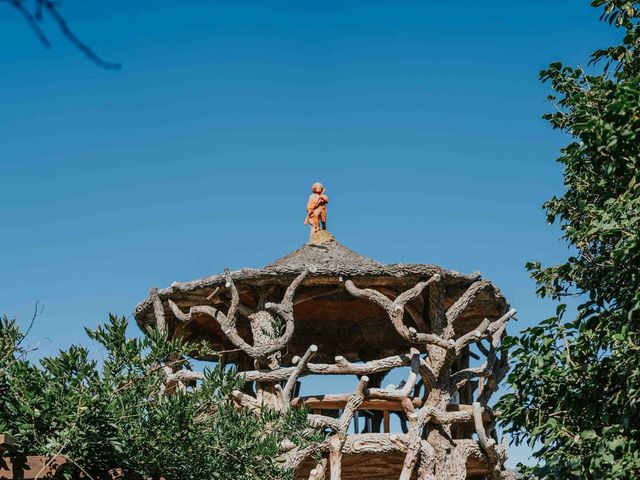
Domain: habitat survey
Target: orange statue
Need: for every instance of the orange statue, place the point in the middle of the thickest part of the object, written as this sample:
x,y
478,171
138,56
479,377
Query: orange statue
x,y
317,208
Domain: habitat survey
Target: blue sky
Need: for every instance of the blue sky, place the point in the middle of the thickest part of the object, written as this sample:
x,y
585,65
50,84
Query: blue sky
x,y
422,119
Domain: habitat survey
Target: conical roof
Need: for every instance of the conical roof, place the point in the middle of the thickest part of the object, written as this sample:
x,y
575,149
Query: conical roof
x,y
325,314
329,257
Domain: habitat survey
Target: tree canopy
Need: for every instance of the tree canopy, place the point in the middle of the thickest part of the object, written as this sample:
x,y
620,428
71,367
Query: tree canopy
x,y
576,382
109,415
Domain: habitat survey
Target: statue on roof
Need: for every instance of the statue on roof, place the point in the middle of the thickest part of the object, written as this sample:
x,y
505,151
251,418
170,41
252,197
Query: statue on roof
x,y
317,208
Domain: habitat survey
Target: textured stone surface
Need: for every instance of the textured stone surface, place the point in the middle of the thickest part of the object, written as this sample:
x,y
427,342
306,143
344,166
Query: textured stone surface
x,y
324,313
320,237
345,308
386,462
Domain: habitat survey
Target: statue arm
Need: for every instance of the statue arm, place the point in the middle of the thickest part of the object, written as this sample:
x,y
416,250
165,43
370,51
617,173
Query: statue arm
x,y
312,204
316,201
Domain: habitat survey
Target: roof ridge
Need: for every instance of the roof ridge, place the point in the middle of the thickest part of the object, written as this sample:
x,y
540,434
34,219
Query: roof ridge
x,y
327,253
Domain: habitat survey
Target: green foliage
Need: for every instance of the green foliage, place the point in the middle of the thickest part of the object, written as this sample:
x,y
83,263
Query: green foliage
x,y
576,383
111,415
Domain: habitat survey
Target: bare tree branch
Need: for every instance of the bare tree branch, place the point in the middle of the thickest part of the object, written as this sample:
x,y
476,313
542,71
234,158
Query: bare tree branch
x,y
395,311
32,20
35,17
291,382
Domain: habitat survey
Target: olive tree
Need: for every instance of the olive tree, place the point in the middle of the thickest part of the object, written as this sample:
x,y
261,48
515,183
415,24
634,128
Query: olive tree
x,y
112,415
576,380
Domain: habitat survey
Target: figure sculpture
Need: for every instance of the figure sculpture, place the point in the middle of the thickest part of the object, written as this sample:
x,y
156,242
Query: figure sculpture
x,y
317,208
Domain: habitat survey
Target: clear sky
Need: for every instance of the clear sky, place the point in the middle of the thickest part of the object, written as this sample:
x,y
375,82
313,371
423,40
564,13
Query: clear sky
x,y
422,119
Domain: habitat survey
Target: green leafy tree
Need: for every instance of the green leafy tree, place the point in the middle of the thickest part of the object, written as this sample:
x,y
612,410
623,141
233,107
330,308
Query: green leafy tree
x,y
576,382
111,415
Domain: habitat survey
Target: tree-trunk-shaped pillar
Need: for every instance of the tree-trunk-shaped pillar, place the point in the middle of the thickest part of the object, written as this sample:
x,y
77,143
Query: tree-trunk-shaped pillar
x,y
325,310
